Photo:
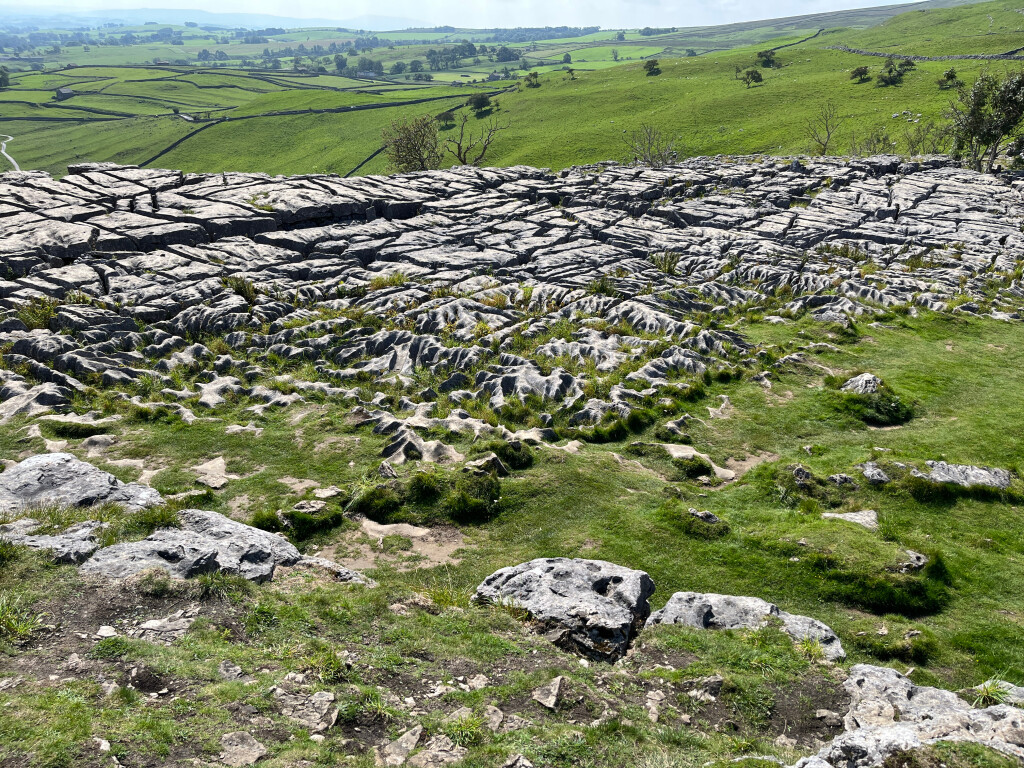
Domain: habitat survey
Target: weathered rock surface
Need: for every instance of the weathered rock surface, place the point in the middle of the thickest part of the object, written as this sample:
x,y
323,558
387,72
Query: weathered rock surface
x,y
206,542
713,611
63,480
889,713
464,268
965,475
71,546
591,607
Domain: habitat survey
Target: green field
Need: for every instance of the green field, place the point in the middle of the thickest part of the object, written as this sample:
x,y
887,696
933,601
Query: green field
x,y
566,121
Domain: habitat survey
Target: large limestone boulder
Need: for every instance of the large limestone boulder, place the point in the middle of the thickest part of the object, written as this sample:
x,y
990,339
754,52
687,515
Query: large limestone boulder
x,y
62,479
591,607
713,611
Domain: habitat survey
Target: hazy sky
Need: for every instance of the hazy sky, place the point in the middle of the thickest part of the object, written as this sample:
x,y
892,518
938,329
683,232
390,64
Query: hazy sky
x,y
509,13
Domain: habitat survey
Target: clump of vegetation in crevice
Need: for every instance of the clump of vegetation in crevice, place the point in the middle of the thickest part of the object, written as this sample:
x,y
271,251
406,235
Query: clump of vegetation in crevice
x,y
38,312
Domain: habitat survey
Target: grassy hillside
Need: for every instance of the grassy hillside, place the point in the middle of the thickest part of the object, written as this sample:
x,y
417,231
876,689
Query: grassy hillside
x,y
995,27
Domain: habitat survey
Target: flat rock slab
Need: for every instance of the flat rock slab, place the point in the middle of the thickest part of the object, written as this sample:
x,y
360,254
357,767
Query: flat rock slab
x,y
71,546
712,611
64,480
207,542
591,607
966,475
867,518
240,749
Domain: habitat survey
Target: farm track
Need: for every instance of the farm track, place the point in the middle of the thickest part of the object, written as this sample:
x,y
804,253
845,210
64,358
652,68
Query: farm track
x,y
3,151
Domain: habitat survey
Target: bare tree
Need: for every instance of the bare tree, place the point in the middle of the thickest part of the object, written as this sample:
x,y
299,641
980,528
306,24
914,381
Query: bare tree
x,y
647,145
824,126
469,147
412,145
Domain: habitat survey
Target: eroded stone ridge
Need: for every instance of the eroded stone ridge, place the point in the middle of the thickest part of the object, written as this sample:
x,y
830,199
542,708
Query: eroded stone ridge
x,y
501,284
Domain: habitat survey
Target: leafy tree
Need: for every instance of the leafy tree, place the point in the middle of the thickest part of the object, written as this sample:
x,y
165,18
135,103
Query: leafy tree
x,y
752,76
767,59
690,53
415,66
823,127
571,73
615,54
567,59
5,78
532,80
620,36
651,67
398,68
949,79
893,71
860,74
447,118
469,147
204,55
987,119
648,146
478,102
412,145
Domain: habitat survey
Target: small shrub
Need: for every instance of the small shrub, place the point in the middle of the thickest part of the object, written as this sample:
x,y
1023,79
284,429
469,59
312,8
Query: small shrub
x,y
473,499
155,582
266,520
380,503
640,419
880,409
603,286
513,455
70,430
693,467
426,487
919,648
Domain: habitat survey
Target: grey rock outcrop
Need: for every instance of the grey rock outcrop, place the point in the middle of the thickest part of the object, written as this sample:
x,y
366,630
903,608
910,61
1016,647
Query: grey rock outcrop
x,y
864,384
713,611
63,480
889,713
591,607
965,475
206,542
71,546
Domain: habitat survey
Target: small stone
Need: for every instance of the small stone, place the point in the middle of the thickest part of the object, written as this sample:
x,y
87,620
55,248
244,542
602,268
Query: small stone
x,y
396,752
240,749
550,695
105,632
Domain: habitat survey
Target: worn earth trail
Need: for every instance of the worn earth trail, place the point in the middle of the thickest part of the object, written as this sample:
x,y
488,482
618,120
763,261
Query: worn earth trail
x,y
3,151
